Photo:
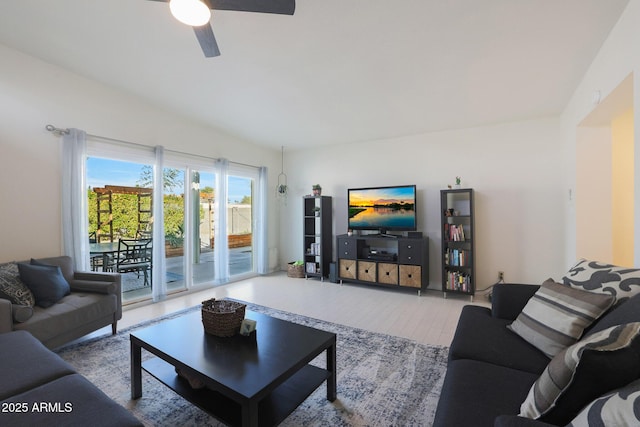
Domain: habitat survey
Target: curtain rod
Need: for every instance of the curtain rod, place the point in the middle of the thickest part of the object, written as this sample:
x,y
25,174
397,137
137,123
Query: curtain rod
x,y
60,131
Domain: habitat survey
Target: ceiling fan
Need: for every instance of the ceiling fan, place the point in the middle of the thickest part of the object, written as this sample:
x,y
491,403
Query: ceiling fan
x,y
197,13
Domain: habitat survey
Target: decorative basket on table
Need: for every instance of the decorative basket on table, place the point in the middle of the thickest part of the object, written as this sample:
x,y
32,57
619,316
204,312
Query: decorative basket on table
x,y
222,318
296,271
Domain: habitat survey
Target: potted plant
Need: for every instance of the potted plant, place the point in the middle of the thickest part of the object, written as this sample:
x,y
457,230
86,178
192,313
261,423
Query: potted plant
x,y
317,190
316,210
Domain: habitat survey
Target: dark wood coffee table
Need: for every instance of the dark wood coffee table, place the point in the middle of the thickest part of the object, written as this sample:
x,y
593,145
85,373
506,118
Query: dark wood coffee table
x,y
250,381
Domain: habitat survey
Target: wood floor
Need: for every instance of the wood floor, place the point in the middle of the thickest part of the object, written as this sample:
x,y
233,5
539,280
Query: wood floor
x,y
429,319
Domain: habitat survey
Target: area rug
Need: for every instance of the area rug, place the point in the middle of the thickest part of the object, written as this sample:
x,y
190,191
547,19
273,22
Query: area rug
x,y
382,380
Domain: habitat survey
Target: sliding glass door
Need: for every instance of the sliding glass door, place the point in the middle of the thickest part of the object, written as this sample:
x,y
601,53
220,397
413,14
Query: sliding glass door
x,y
174,211
205,239
203,184
119,201
240,224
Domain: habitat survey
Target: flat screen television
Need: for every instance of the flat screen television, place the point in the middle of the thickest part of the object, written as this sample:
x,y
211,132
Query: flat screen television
x,y
382,208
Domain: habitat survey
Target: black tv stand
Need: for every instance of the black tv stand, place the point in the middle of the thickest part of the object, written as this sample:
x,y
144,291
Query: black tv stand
x,y
399,262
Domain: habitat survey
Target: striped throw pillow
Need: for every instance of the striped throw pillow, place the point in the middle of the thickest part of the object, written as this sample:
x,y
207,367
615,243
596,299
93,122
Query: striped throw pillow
x,y
561,372
555,317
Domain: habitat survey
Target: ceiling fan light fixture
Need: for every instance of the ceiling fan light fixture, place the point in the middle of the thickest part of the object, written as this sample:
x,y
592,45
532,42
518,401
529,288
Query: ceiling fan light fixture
x,y
190,12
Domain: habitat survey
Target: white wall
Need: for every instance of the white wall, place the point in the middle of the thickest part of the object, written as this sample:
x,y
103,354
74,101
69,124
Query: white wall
x,y
593,194
516,170
34,94
618,58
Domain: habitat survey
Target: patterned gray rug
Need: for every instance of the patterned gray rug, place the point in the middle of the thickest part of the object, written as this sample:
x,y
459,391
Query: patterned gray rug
x,y
382,380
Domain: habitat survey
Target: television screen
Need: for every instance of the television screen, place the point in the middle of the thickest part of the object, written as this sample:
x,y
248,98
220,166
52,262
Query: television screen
x,y
382,208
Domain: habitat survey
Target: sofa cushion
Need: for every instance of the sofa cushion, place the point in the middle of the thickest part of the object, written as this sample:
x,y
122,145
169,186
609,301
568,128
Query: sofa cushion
x,y
70,401
599,363
69,313
12,288
45,281
556,316
620,407
26,363
594,276
476,327
475,393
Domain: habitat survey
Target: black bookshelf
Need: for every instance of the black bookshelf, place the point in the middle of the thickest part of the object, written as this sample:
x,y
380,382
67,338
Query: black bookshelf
x,y
458,242
317,233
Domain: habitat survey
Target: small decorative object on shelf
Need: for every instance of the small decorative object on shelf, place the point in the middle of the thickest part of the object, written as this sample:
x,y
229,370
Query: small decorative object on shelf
x,y
458,182
222,318
316,211
317,190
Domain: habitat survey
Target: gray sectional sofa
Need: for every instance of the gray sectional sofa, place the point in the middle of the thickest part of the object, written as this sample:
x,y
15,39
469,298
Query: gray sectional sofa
x,y
94,301
491,369
38,388
44,304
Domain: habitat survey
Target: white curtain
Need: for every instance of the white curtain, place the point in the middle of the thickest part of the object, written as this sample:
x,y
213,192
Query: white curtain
x,y
75,220
261,244
159,283
220,249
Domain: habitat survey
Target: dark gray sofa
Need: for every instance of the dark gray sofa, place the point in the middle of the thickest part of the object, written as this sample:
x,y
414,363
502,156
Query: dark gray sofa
x,y
491,369
95,301
38,388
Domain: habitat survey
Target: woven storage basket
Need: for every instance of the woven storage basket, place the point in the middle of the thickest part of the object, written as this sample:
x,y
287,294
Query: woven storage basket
x,y
295,270
222,318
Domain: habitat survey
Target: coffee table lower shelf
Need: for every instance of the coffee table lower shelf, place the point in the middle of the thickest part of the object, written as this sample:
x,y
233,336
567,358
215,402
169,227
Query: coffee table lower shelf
x,y
272,410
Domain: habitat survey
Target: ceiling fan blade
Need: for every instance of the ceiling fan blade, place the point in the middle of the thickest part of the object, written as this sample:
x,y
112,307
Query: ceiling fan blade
x,y
207,40
282,7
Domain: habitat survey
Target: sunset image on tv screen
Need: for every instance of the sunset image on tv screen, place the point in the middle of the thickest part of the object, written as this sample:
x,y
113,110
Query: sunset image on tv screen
x,y
384,208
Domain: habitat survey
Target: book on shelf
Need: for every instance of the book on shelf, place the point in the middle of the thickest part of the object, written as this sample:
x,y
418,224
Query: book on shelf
x,y
454,232
457,281
457,257
311,267
314,249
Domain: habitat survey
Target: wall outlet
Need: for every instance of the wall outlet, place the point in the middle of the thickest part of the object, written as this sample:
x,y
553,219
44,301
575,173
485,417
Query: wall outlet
x,y
500,276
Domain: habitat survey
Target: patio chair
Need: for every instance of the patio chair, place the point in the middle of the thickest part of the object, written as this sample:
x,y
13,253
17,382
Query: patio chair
x,y
134,256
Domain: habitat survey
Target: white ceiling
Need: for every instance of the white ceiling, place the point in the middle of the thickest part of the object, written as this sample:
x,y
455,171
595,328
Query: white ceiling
x,y
337,71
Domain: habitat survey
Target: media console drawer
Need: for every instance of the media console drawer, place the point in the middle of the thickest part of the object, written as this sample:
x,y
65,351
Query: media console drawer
x,y
409,251
347,248
347,269
367,271
410,275
388,273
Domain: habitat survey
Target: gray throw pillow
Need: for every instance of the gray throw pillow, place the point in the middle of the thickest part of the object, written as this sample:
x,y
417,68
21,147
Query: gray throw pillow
x,y
561,372
12,288
45,281
556,316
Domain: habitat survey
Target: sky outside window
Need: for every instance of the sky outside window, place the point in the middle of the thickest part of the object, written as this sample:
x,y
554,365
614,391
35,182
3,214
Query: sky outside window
x,y
101,172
